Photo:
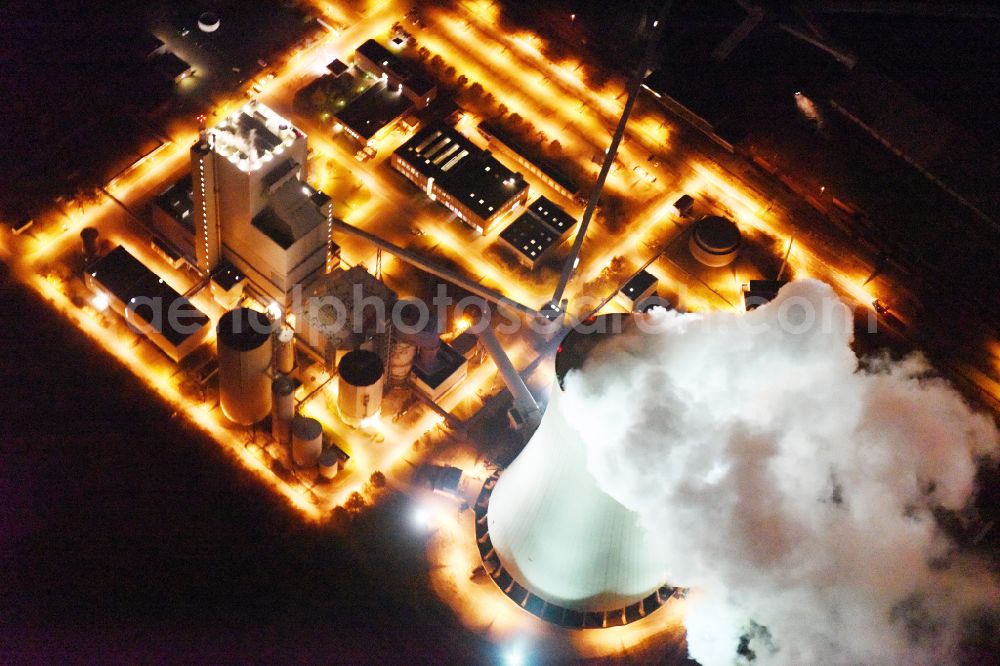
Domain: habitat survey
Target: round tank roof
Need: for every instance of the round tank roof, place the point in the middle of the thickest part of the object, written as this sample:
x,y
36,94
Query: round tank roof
x,y
329,458
282,385
89,232
285,334
244,329
360,367
306,428
208,22
716,235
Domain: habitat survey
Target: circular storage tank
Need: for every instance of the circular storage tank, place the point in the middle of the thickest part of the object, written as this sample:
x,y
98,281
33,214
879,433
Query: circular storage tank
x,y
361,379
282,408
243,337
715,241
284,354
307,441
329,463
208,22
90,235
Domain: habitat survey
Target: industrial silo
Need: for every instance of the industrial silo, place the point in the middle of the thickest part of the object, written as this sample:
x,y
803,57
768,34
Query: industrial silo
x,y
409,332
282,408
360,386
552,538
307,441
90,237
244,344
715,241
329,463
284,350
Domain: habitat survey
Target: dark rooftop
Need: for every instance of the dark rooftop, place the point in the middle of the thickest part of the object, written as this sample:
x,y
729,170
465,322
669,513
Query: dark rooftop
x,y
419,85
635,287
226,275
170,66
552,215
496,132
469,174
279,171
529,236
383,57
374,109
118,271
447,361
178,202
337,67
147,295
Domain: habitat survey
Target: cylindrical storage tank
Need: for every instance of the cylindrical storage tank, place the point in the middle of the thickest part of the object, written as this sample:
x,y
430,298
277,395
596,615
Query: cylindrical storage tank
x,y
307,441
361,379
401,361
284,353
329,463
715,241
413,325
90,235
282,408
243,337
208,22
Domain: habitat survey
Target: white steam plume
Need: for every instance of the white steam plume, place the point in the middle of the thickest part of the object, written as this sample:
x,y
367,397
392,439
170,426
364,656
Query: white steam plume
x,y
791,490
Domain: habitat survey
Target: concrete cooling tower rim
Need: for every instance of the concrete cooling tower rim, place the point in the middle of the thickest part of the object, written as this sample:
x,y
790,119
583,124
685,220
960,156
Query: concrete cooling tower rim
x,y
572,353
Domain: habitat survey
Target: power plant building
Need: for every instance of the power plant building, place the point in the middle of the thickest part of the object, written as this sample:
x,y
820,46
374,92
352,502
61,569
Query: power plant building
x,y
149,304
345,310
249,205
460,176
537,232
379,61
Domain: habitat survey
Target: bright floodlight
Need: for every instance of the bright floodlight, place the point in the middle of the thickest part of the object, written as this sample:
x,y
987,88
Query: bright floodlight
x,y
100,301
274,310
421,517
514,656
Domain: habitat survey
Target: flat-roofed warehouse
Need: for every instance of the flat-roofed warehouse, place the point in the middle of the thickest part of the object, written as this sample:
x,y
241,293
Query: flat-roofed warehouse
x,y
537,232
148,303
377,60
462,177
372,111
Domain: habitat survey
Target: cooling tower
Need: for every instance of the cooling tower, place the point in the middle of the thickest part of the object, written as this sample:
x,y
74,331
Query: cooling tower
x,y
244,341
553,540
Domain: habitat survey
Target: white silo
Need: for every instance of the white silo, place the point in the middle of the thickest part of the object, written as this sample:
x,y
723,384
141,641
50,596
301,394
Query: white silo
x,y
282,408
360,386
407,331
244,345
553,540
329,463
284,350
307,441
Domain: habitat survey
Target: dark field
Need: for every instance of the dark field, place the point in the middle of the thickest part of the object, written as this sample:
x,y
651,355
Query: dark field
x,y
128,537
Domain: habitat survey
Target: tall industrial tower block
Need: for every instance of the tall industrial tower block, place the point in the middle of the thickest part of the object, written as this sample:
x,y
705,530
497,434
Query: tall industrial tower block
x,y
252,206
